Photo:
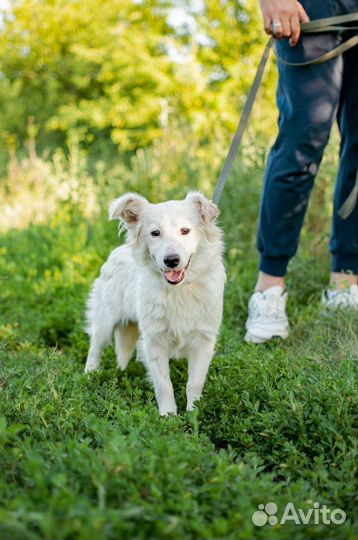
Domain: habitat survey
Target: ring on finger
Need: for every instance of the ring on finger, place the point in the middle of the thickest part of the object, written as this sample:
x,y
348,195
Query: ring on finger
x,y
276,26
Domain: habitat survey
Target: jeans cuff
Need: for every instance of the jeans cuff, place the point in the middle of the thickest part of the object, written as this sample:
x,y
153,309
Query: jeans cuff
x,y
345,263
274,266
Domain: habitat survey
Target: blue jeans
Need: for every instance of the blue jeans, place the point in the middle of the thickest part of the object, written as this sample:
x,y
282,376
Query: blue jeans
x,y
309,100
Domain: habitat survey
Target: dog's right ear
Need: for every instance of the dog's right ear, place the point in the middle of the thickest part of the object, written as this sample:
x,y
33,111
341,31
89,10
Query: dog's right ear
x,y
128,209
208,211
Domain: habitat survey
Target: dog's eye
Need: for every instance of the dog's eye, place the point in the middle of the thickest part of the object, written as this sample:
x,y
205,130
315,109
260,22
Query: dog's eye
x,y
185,230
155,233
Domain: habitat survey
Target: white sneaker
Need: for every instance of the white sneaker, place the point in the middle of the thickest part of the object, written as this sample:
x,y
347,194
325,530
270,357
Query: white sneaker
x,y
341,298
267,315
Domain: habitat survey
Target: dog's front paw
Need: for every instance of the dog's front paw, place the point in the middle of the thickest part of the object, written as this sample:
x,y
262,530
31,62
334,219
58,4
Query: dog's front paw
x,y
192,405
168,410
168,413
90,368
192,401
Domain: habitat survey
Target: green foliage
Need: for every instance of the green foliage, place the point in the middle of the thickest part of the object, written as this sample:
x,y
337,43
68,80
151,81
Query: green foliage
x,y
89,458
87,65
125,71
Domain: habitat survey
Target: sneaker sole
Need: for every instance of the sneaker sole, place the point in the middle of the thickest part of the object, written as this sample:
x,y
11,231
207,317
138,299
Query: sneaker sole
x,y
332,307
252,338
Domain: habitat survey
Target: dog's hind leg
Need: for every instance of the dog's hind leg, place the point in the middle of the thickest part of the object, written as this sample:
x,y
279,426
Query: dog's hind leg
x,y
99,340
125,339
94,355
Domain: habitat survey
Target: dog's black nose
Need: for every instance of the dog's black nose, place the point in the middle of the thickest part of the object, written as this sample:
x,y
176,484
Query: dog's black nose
x,y
172,260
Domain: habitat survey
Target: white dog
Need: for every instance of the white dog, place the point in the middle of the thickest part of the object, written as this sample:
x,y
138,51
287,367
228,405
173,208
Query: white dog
x,y
165,286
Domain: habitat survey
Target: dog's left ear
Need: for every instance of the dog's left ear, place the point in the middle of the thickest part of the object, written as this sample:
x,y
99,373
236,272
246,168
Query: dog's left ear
x,y
128,208
208,211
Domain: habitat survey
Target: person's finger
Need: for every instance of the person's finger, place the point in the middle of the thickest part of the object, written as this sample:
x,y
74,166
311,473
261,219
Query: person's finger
x,y
267,23
296,30
286,26
302,14
277,27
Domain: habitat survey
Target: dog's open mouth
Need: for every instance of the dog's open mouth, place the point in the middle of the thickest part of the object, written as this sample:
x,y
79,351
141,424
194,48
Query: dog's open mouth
x,y
174,277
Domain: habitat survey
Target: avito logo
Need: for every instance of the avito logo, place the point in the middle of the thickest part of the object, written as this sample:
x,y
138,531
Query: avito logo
x,y
317,514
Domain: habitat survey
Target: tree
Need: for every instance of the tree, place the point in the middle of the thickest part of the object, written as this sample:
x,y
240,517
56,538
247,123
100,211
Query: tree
x,y
110,69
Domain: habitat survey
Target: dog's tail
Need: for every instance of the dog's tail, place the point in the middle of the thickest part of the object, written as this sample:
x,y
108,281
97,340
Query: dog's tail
x,y
125,339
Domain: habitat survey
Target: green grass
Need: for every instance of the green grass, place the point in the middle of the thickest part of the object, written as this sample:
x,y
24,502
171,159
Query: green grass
x,y
91,458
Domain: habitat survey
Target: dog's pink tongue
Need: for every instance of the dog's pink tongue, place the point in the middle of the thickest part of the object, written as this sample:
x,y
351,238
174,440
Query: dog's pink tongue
x,y
173,275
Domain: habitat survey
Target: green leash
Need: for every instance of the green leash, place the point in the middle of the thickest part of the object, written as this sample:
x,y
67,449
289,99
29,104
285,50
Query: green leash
x,y
329,24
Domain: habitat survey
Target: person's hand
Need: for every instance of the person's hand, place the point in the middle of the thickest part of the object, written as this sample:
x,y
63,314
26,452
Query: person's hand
x,y
283,18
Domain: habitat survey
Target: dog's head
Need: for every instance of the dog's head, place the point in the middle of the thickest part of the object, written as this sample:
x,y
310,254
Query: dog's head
x,y
168,233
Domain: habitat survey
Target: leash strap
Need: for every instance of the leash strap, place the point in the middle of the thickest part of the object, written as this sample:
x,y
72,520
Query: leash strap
x,y
340,49
236,142
348,206
319,24
329,24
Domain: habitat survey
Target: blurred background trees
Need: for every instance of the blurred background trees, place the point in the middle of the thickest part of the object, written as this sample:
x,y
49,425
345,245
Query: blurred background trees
x,y
97,97
125,71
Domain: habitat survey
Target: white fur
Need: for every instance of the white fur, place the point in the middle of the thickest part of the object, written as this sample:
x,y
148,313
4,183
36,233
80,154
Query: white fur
x,y
132,299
